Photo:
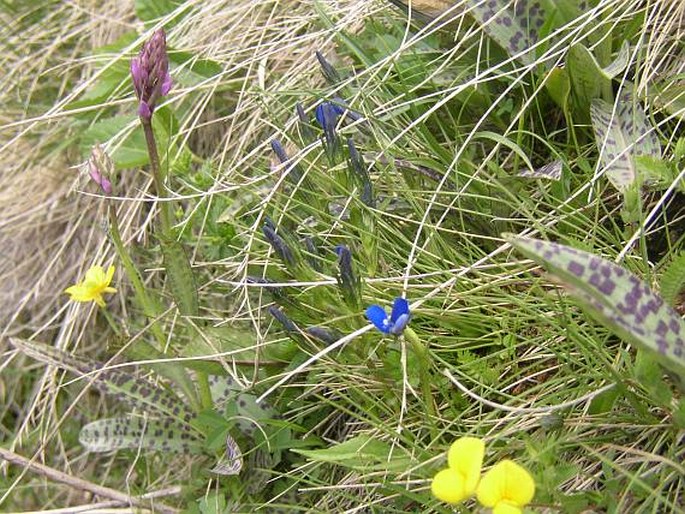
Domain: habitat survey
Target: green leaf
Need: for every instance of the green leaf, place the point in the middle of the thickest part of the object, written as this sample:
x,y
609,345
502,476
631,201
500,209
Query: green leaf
x,y
615,297
137,392
558,86
180,275
136,432
131,152
672,281
153,10
586,81
362,452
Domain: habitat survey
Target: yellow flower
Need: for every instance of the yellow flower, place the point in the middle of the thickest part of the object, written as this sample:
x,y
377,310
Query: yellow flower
x,y
91,289
459,480
507,488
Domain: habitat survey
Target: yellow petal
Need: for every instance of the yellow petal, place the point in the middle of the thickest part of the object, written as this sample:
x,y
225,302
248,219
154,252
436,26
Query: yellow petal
x,y
79,293
109,290
98,299
95,275
110,274
506,482
466,456
505,508
448,486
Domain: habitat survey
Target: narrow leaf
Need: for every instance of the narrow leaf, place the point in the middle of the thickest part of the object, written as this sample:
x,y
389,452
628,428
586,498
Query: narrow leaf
x,y
180,275
617,298
135,432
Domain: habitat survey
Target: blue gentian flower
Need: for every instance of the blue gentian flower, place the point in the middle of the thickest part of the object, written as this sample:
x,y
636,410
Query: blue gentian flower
x,y
327,114
398,318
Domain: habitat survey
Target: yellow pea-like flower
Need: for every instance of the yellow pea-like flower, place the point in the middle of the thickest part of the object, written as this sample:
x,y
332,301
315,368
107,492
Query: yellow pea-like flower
x,y
93,287
459,480
466,456
507,487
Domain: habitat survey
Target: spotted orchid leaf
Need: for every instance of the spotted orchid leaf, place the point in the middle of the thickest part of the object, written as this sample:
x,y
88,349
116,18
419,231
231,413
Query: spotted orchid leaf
x,y
514,26
621,135
615,297
232,462
124,386
136,432
550,171
249,413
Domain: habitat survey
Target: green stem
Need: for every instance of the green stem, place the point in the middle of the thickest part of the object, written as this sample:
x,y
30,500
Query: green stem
x,y
205,392
110,321
165,218
149,308
424,374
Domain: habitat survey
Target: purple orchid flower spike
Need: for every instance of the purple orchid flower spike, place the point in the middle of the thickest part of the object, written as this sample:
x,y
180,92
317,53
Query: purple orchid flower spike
x,y
150,74
399,317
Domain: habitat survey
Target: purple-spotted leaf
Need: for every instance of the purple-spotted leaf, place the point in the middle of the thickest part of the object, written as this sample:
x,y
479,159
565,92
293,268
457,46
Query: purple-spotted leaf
x,y
515,26
622,133
550,171
127,387
135,432
249,413
232,462
614,296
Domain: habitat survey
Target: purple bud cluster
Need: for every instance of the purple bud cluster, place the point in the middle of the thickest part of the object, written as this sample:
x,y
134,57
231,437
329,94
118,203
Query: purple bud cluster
x,y
150,74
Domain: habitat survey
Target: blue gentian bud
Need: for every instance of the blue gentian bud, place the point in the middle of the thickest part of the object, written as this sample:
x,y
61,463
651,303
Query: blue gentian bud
x,y
280,246
293,170
329,72
313,257
284,320
348,281
360,174
327,116
305,128
323,334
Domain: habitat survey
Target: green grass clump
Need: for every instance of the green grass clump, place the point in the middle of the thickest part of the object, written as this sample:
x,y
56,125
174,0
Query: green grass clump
x,y
294,190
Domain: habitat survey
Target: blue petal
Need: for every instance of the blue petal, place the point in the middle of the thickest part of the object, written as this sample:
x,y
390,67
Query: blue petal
x,y
398,327
399,307
319,114
377,315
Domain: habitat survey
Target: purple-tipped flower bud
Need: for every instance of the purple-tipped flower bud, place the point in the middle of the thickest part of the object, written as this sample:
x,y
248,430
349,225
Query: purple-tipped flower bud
x,y
323,334
150,74
280,246
293,170
348,281
360,174
305,128
327,114
100,168
329,72
281,317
